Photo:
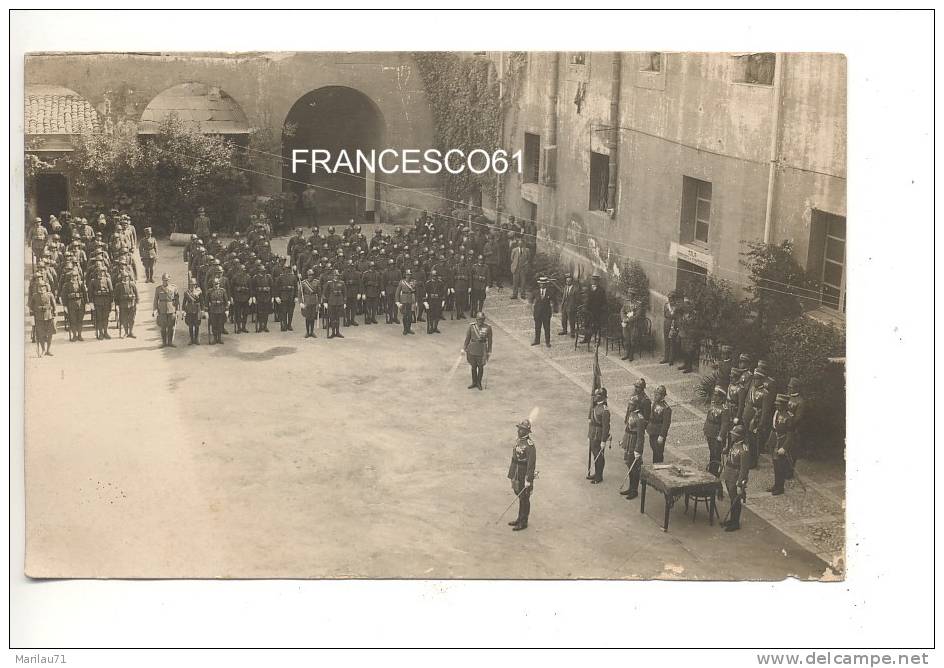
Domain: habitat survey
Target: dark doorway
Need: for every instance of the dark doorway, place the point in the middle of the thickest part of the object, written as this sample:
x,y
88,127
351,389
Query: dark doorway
x,y
335,119
52,195
690,277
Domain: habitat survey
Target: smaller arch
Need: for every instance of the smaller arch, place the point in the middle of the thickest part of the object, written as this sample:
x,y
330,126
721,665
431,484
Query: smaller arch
x,y
57,110
208,107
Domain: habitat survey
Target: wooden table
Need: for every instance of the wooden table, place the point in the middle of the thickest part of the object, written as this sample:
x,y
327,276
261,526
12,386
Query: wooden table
x,y
676,481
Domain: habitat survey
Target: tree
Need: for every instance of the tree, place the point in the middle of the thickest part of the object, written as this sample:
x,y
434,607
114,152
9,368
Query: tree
x,y
778,283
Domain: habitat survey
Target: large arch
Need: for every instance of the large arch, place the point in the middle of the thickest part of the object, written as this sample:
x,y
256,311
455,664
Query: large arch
x,y
205,106
334,118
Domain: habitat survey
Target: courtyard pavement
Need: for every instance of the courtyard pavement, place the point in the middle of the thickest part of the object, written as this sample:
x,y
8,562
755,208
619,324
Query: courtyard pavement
x,y
279,456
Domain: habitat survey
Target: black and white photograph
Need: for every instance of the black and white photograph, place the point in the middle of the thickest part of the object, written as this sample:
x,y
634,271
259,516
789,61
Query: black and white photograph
x,y
411,313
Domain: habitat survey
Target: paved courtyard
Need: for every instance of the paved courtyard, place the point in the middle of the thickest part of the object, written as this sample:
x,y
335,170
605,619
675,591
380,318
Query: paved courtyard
x,y
279,456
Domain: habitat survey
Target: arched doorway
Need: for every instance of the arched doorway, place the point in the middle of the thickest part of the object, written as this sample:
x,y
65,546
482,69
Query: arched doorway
x,y
333,118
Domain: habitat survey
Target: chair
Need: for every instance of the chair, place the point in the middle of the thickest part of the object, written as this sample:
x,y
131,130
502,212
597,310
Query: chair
x,y
705,499
582,329
614,333
646,340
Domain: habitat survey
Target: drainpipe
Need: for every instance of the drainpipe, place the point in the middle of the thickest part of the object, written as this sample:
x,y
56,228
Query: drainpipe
x,y
499,194
550,110
613,142
774,155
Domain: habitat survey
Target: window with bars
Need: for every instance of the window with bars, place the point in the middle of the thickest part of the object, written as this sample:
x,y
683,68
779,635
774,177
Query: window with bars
x,y
532,158
827,258
696,211
599,181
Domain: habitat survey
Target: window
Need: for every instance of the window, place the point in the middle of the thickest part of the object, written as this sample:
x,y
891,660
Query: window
x,y
579,58
599,181
532,158
827,258
756,68
652,62
696,211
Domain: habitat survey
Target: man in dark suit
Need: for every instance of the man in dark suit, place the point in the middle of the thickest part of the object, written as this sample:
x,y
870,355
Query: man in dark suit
x,y
569,301
595,309
544,304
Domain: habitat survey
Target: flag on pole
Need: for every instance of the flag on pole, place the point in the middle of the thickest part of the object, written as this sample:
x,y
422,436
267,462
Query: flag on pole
x,y
597,375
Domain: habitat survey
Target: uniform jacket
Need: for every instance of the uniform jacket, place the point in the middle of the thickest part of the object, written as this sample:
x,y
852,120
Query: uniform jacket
x,y
392,277
335,291
758,407
101,290
523,460
126,294
43,306
192,301
309,292
599,427
287,285
239,284
659,420
435,289
478,340
217,300
166,299
668,317
406,292
713,421
479,276
372,282
737,463
352,283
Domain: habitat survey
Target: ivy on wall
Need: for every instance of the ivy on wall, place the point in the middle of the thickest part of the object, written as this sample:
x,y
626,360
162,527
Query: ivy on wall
x,y
463,93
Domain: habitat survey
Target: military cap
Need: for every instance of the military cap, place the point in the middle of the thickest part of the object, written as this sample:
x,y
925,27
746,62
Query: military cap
x,y
640,382
738,430
524,424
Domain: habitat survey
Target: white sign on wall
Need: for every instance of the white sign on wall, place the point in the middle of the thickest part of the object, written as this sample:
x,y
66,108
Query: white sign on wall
x,y
691,254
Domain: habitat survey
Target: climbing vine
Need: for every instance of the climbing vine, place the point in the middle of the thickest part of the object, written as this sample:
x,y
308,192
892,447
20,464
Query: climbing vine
x,y
463,93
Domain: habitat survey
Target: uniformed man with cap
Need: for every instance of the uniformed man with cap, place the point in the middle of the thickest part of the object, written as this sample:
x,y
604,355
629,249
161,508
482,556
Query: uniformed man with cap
x,y
757,413
724,366
42,307
687,335
479,284
72,293
660,418
261,288
372,283
435,300
715,430
405,298
309,294
126,297
391,277
193,310
148,250
736,457
353,291
797,405
633,445
38,237
166,303
217,301
101,292
630,317
478,348
241,293
544,303
286,287
463,274
781,443
598,432
334,294
521,473
201,224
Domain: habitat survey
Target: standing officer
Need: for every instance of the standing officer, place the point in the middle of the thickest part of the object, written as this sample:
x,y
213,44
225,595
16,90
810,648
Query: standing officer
x,y
405,297
598,432
309,293
521,473
758,412
353,290
42,305
797,405
101,290
192,308
782,443
569,301
166,303
260,287
463,275
286,289
736,470
435,300
391,279
478,348
201,224
73,297
372,281
688,341
217,302
669,328
38,236
714,430
633,445
658,426
544,305
148,250
239,284
126,296
479,286
334,294
725,365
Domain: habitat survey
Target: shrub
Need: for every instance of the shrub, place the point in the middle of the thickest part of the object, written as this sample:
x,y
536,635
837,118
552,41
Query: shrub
x,y
777,283
635,283
801,348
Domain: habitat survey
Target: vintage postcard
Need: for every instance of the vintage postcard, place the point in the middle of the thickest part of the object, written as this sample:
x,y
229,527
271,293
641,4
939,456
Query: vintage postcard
x,y
418,314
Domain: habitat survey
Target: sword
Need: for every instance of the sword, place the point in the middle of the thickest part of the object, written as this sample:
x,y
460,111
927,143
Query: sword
x,y
609,442
517,496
